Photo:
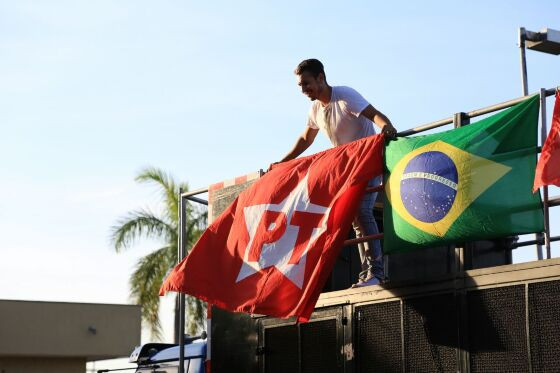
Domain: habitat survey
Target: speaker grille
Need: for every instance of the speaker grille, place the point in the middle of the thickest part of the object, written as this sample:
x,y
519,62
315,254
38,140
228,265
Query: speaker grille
x,y
281,349
544,321
430,334
319,347
379,346
497,330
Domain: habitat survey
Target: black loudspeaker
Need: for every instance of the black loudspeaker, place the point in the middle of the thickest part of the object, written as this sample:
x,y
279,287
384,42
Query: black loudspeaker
x,y
497,330
377,340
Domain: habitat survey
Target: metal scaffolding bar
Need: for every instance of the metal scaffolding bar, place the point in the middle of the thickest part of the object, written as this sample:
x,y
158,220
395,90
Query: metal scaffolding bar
x,y
522,37
197,200
533,242
426,127
181,254
544,134
378,188
379,236
493,108
194,192
470,114
353,241
554,201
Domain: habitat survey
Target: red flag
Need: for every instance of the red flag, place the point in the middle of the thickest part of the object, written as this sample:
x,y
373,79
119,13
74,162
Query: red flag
x,y
548,168
273,249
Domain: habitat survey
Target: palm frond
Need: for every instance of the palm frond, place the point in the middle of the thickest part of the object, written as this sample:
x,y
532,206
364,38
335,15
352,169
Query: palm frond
x,y
145,283
196,315
148,275
138,224
194,228
170,189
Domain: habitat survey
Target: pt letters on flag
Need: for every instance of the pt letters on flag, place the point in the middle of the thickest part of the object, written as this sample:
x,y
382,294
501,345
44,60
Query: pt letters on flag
x,y
548,168
273,249
468,183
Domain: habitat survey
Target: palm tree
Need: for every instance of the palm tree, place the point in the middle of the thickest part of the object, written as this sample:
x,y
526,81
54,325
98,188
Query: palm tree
x,y
150,270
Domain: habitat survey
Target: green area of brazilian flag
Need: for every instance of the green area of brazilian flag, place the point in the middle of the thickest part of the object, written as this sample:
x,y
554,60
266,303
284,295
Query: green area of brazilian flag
x,y
465,184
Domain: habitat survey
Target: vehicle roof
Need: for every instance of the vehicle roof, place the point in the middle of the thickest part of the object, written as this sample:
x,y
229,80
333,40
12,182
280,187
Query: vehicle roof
x,y
197,348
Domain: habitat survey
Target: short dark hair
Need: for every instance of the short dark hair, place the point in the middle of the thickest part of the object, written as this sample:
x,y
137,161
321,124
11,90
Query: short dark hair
x,y
312,65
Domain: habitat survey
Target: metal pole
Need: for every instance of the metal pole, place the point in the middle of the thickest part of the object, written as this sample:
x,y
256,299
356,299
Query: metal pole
x,y
181,252
195,192
525,91
471,114
371,237
524,85
198,200
459,120
376,189
554,201
544,134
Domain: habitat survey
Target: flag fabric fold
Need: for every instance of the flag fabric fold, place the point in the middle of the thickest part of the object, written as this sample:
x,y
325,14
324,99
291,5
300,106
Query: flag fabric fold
x,y
465,184
548,167
273,249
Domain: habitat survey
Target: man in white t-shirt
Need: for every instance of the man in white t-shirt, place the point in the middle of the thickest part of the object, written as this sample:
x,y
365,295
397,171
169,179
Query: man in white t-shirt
x,y
344,116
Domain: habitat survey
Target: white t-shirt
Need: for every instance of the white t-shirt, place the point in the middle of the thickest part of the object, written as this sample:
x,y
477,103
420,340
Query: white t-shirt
x,y
340,120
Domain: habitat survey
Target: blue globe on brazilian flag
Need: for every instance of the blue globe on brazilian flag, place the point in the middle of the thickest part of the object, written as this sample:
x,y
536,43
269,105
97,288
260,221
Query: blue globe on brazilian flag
x,y
465,184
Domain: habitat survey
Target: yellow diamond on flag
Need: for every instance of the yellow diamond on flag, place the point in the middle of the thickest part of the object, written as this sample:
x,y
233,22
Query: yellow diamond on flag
x,y
433,185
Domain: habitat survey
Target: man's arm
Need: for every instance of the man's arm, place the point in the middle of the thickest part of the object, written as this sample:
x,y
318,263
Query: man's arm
x,y
380,121
303,142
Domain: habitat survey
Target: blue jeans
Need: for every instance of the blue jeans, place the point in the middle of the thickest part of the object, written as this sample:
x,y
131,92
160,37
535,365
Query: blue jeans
x,y
371,256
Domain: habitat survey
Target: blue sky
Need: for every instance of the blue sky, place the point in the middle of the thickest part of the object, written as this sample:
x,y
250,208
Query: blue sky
x,y
92,92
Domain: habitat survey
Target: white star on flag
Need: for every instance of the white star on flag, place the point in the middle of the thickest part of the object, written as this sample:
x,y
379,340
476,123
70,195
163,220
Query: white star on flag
x,y
283,234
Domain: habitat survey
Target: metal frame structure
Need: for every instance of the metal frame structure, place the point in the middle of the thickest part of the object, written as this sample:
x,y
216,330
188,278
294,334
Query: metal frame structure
x,y
457,120
546,41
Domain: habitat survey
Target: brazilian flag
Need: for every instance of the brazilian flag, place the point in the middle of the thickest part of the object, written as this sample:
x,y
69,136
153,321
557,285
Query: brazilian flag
x,y
465,184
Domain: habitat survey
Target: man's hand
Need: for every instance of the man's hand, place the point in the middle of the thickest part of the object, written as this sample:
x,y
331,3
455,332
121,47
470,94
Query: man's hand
x,y
389,131
380,121
303,142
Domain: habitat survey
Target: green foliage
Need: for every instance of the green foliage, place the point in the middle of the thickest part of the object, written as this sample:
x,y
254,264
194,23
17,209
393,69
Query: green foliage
x,y
150,270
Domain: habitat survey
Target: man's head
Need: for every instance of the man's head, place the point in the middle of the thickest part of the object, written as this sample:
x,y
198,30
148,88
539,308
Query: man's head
x,y
311,78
